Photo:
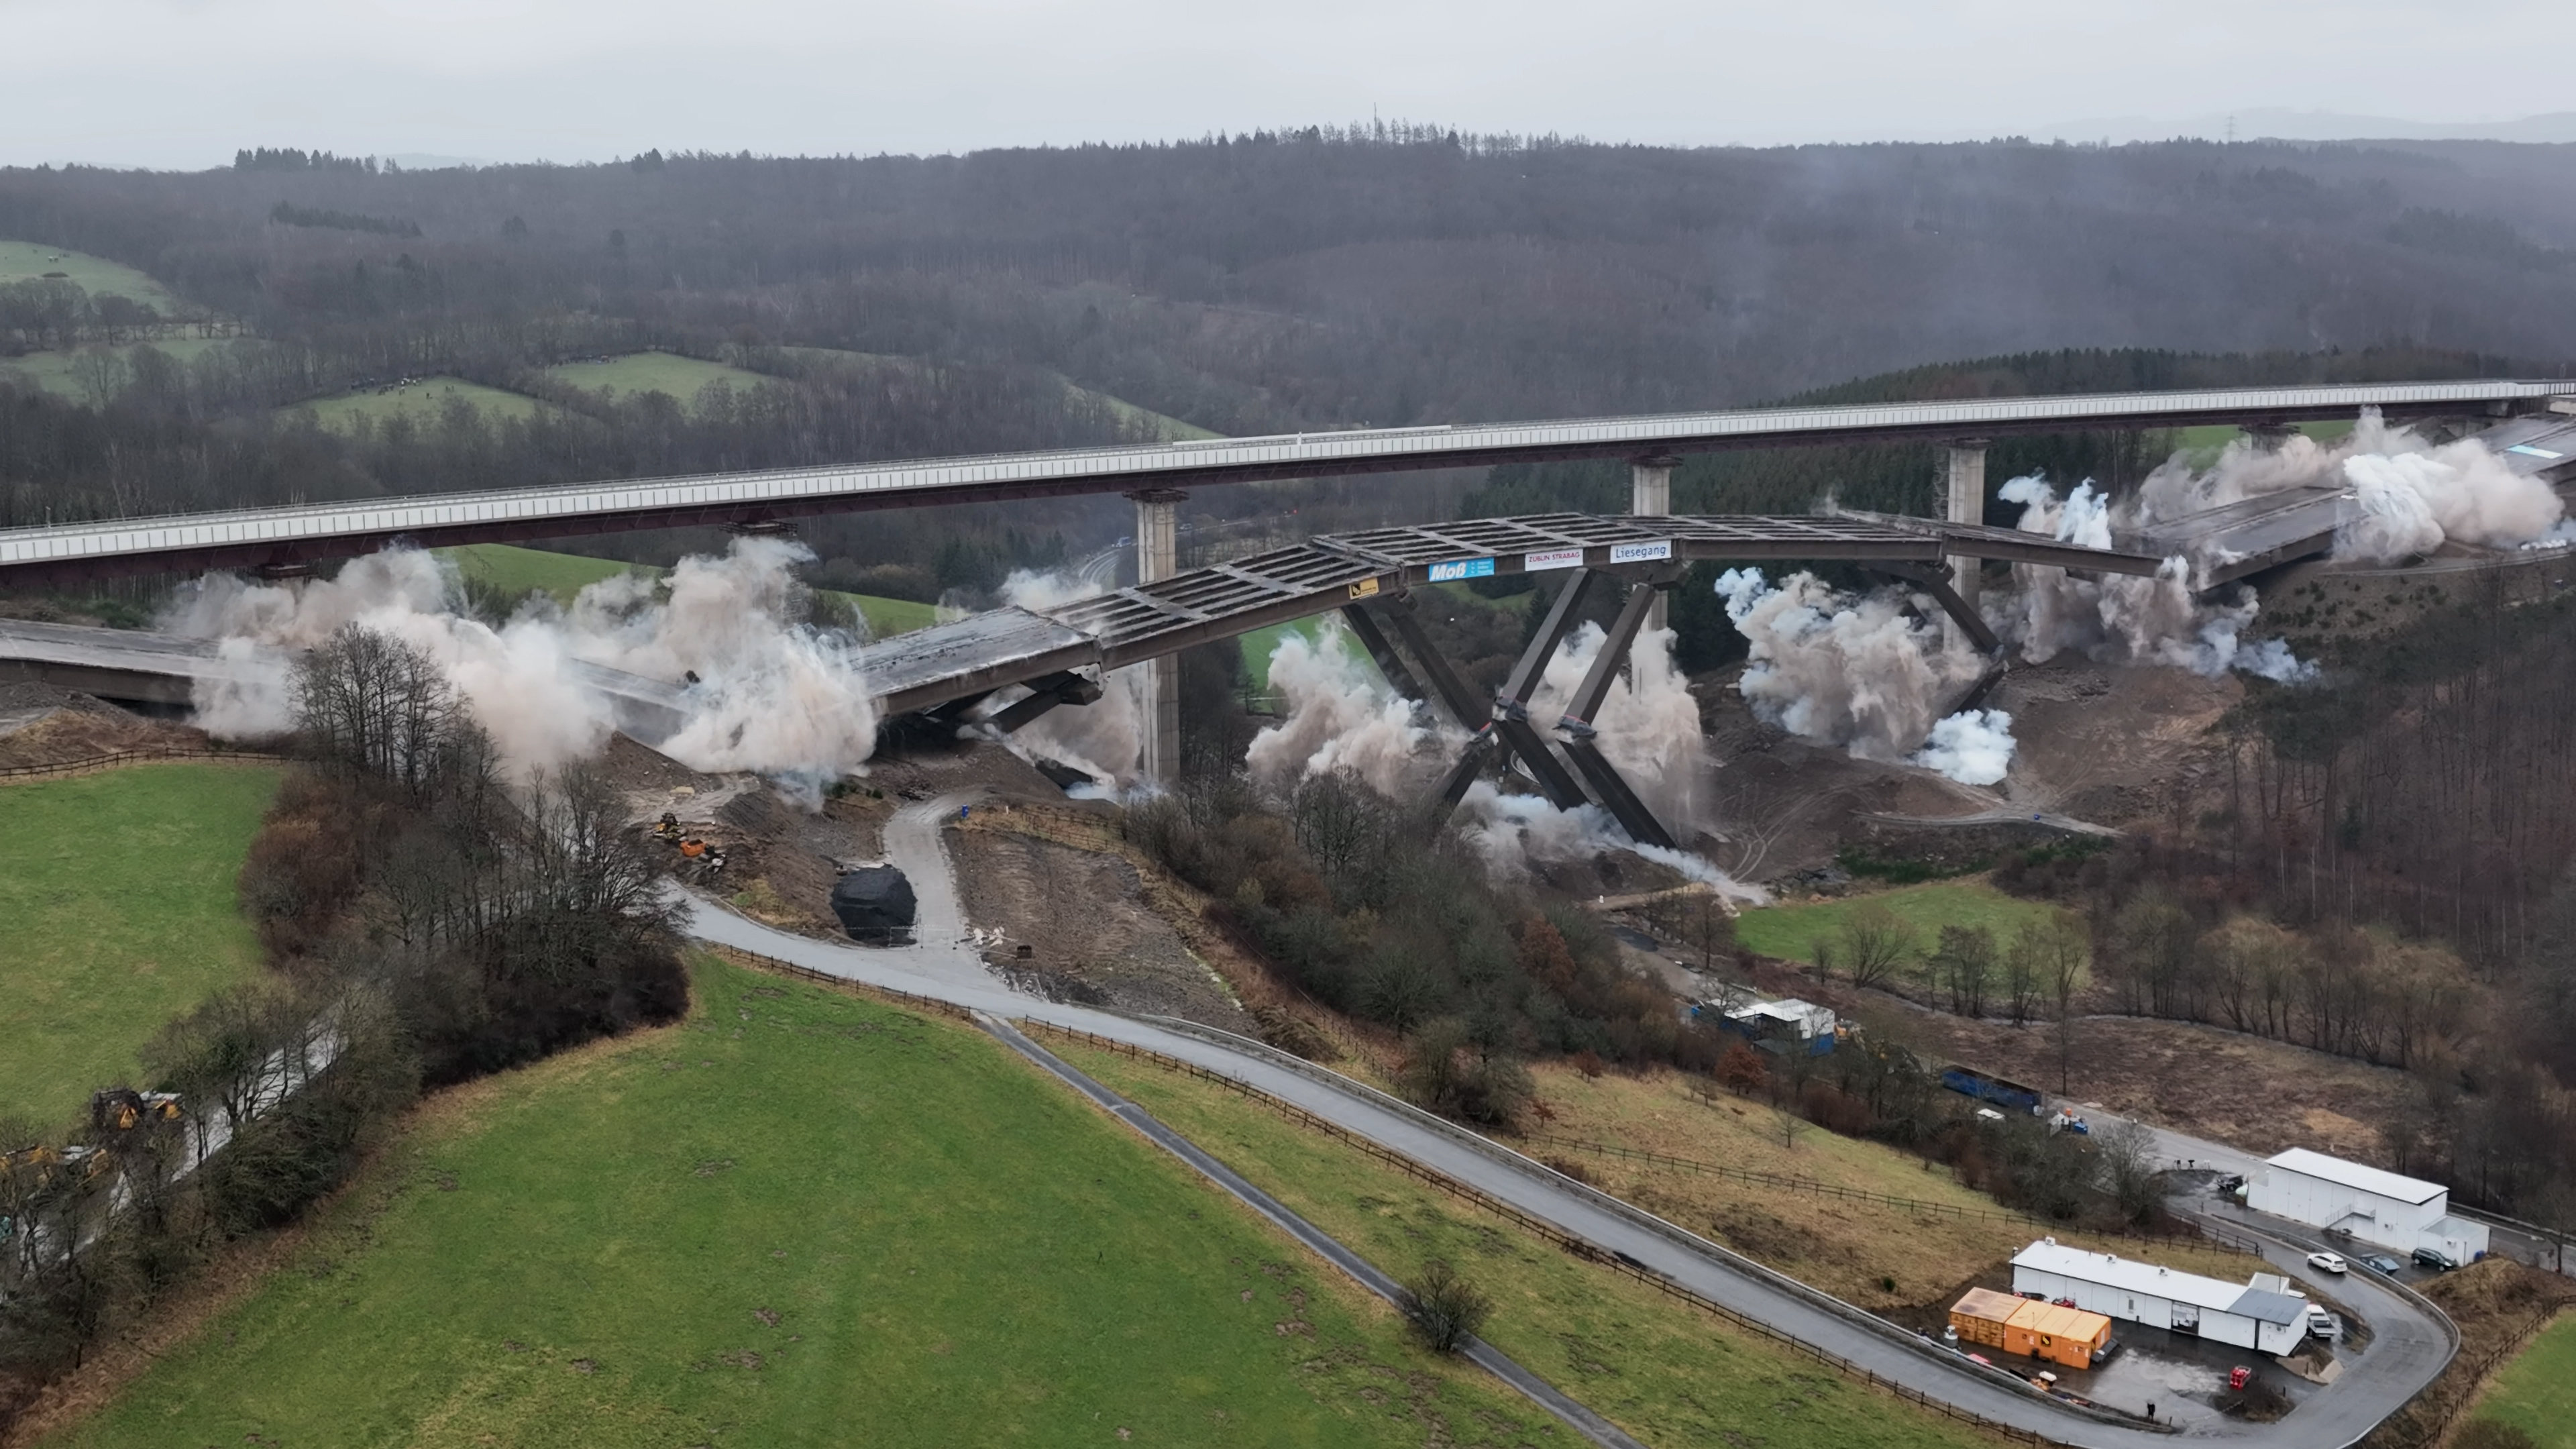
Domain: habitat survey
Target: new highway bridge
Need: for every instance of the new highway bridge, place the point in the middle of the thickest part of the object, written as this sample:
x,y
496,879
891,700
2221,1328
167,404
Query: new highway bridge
x,y
301,534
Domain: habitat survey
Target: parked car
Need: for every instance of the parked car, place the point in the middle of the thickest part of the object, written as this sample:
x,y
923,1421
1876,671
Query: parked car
x,y
2238,1377
2321,1324
2232,1182
2433,1258
2381,1263
2326,1262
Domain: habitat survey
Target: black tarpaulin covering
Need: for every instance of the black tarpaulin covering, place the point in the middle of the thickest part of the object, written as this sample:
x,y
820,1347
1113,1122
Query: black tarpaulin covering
x,y
873,901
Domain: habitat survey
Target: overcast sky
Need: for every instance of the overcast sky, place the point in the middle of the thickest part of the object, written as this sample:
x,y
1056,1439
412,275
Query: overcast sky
x,y
181,83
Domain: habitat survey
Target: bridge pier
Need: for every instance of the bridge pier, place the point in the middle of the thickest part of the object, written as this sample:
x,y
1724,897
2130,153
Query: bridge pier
x,y
1967,478
1158,557
1650,495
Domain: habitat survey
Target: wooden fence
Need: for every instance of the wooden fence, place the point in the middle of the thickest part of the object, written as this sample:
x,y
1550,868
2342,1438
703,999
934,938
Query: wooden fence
x,y
1549,1232
92,764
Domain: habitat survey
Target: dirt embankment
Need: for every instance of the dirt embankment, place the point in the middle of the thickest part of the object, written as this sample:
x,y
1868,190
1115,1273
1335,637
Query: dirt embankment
x,y
41,724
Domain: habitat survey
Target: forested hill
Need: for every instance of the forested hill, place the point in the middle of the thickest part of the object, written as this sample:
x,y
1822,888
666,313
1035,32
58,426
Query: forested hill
x,y
1305,278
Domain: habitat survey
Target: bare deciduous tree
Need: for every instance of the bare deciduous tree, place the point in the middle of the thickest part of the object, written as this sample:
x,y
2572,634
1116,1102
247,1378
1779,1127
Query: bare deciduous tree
x,y
1872,943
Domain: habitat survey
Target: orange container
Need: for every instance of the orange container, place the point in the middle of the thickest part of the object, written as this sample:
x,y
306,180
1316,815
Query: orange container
x,y
2068,1336
1981,1314
2033,1329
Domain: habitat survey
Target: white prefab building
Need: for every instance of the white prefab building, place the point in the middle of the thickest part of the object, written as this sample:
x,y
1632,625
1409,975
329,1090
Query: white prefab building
x,y
2373,1205
2123,1288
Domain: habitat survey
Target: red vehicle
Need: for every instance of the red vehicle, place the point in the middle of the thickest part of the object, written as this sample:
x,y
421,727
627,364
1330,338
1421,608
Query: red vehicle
x,y
2238,1378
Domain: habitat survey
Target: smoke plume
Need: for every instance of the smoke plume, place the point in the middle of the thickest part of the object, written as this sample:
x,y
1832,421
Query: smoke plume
x,y
1511,831
2412,494
1973,747
766,694
2121,618
1341,716
1863,672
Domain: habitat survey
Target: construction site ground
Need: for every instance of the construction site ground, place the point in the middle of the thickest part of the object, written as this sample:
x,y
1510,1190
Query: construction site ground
x,y
2101,744
2253,1092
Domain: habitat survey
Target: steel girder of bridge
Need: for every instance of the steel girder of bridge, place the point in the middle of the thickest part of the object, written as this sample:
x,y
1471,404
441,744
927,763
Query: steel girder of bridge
x,y
1370,578
287,537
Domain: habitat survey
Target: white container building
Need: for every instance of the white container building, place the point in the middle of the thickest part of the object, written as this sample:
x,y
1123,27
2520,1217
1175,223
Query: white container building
x,y
2123,1288
2373,1205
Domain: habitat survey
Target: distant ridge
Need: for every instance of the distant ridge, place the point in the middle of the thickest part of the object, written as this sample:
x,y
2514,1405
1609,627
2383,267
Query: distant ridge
x,y
2275,124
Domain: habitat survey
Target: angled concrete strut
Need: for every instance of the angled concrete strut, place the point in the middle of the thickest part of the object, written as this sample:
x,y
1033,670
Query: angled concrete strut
x,y
1511,706
1604,778
1389,663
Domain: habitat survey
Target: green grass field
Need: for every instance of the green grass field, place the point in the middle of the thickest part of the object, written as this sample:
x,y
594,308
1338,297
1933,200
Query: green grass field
x,y
2536,1392
1791,932
1160,426
26,261
53,371
423,403
680,377
1668,1373
1260,644
2205,443
520,571
797,1219
118,891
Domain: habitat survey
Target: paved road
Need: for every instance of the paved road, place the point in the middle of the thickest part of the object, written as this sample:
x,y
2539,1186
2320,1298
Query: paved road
x,y
2332,1418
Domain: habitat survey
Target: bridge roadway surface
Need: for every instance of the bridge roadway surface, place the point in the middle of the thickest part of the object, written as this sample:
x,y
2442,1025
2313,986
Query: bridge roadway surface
x,y
2410,1346
303,533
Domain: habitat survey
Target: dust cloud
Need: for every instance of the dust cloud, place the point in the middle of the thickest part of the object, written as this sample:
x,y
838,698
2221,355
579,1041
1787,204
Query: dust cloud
x,y
1104,739
764,693
1863,671
2413,494
1341,715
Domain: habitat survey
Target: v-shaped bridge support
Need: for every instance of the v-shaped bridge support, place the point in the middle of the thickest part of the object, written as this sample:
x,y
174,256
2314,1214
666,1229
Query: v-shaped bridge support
x,y
1502,726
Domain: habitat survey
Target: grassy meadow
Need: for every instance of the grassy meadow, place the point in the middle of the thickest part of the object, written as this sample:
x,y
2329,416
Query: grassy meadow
x,y
1790,932
118,889
2536,1392
422,404
56,372
23,261
798,1218
680,377
519,571
1668,1373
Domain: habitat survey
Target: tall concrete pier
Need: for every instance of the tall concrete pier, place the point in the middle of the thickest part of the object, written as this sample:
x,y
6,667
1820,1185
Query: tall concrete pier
x,y
1158,557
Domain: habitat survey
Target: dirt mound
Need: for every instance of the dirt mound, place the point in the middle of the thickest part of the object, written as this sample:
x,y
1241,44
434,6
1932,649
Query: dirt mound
x,y
62,731
1083,916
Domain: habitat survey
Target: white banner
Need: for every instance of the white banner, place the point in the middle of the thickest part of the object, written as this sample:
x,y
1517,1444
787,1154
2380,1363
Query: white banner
x,y
1641,552
1554,558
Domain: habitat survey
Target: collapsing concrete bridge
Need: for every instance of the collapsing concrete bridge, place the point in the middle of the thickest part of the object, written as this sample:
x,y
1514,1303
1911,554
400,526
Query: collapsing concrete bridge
x,y
1061,654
